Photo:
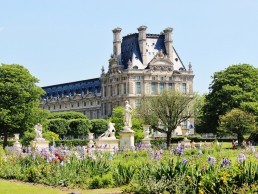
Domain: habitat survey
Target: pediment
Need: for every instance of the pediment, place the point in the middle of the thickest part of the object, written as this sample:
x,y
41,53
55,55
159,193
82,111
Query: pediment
x,y
65,98
161,64
53,99
89,95
77,96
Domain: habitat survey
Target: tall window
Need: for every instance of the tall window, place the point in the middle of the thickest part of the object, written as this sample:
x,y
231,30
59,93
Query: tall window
x,y
137,102
137,77
138,87
111,91
153,88
124,88
170,86
161,87
184,124
184,88
105,91
117,89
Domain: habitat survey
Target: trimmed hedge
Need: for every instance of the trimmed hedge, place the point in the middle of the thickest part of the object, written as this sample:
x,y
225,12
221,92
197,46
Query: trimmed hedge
x,y
70,143
160,141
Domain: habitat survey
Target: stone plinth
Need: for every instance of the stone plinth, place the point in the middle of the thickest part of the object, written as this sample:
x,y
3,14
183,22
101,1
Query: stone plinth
x,y
91,142
17,145
186,143
107,143
126,138
146,142
40,144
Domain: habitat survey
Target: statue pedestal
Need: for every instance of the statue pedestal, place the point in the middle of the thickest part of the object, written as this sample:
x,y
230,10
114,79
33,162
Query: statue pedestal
x,y
40,144
126,138
17,145
146,142
107,143
186,143
91,142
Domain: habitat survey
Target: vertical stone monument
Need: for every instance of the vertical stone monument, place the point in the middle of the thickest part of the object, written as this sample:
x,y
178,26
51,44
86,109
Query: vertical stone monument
x,y
17,145
39,142
146,139
91,137
127,134
107,140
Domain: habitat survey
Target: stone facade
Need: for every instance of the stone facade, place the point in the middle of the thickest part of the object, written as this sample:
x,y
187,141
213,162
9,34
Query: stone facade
x,y
142,64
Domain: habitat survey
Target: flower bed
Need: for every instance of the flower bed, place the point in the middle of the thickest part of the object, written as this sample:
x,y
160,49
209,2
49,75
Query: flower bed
x,y
210,169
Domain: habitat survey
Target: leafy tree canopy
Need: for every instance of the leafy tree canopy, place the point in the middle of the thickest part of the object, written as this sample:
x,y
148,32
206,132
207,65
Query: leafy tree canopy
x,y
19,100
234,87
166,111
237,122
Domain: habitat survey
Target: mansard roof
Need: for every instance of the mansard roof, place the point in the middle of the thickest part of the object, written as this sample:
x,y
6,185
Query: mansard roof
x,y
130,50
73,88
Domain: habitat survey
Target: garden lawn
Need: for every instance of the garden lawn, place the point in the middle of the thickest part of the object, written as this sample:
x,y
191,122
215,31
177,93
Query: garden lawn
x,y
17,187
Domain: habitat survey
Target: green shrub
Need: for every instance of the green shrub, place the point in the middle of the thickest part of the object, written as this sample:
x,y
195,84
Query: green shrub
x,y
79,127
71,143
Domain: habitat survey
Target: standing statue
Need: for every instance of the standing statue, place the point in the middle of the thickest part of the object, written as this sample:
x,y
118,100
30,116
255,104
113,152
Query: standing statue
x,y
127,115
38,129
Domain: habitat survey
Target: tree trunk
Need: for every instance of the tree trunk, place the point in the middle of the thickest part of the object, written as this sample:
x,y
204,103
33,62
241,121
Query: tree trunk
x,y
169,133
240,139
5,136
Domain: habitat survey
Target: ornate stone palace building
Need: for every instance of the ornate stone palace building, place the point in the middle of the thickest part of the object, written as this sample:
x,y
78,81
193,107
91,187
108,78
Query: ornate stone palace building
x,y
142,64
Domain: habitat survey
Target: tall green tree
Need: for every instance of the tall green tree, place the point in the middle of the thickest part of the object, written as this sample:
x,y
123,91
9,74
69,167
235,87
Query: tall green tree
x,y
199,101
234,87
166,111
19,100
237,122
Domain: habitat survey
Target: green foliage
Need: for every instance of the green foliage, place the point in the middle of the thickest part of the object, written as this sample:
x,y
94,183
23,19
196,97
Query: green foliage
x,y
199,101
117,117
169,109
19,100
71,143
79,127
99,126
50,136
59,126
234,87
67,115
28,137
237,122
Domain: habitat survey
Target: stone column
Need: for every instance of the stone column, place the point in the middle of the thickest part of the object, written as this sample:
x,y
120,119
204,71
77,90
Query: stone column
x,y
117,42
142,43
168,42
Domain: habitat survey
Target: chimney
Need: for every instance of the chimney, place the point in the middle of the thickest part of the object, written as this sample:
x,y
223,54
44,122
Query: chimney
x,y
117,42
168,42
142,43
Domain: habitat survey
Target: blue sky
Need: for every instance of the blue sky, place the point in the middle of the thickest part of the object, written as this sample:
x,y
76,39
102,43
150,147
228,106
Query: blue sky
x,y
61,41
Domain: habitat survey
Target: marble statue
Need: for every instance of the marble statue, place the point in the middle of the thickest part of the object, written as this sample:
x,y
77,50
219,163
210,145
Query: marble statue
x,y
110,133
38,129
127,115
